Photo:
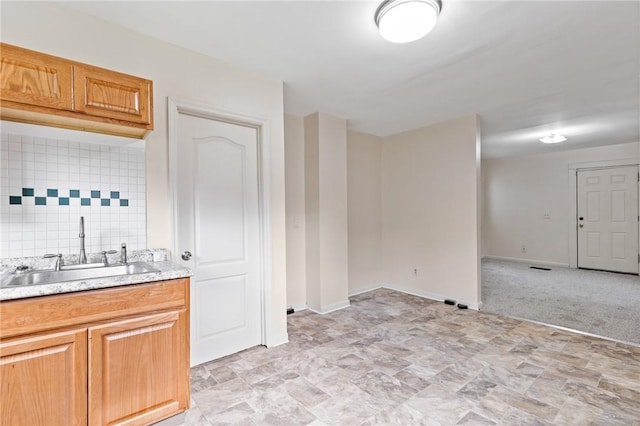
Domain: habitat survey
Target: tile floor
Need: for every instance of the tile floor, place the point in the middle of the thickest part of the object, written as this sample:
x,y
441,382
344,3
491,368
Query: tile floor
x,y
397,359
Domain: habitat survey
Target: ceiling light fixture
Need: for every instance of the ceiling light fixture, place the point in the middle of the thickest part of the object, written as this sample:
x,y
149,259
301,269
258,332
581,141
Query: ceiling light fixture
x,y
553,138
404,21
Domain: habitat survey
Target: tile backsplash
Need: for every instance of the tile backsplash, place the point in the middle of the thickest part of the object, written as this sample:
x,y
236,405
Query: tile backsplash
x,y
47,184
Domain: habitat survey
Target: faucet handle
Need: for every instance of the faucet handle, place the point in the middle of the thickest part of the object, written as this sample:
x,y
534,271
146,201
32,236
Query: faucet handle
x,y
104,256
58,260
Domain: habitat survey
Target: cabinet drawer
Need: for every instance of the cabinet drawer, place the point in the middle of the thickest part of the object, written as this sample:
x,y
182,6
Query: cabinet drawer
x,y
44,313
103,93
34,78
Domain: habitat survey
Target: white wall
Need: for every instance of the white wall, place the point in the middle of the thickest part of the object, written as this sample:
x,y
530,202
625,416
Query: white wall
x,y
296,221
520,191
364,200
47,184
430,211
176,72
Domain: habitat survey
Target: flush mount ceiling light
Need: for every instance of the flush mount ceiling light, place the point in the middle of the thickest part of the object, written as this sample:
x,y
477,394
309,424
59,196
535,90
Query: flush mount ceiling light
x,y
553,138
403,21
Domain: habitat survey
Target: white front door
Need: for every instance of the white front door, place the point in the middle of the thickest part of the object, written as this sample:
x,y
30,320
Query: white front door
x,y
218,222
608,219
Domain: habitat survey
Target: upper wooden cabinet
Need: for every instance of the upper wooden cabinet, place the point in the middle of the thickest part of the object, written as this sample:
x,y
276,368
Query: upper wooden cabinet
x,y
36,79
103,93
44,89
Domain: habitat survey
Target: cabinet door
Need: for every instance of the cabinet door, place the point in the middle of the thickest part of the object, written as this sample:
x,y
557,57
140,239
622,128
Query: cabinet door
x,y
103,93
43,380
33,78
138,369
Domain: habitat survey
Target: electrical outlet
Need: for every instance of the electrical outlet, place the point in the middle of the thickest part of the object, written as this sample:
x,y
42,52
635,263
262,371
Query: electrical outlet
x,y
415,272
524,249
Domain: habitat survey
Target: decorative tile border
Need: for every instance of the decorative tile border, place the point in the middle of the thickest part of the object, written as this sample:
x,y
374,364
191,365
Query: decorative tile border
x,y
47,184
56,197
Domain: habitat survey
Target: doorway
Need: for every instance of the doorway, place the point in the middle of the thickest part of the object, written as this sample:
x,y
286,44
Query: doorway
x,y
545,217
607,219
217,232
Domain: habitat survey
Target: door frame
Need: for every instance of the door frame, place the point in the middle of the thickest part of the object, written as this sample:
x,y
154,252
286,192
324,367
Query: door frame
x,y
573,206
176,106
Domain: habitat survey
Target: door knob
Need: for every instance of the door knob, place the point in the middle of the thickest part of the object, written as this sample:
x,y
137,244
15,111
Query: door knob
x,y
186,255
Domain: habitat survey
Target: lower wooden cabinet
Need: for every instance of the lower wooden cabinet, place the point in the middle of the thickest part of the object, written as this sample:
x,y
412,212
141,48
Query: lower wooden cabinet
x,y
44,379
133,372
109,370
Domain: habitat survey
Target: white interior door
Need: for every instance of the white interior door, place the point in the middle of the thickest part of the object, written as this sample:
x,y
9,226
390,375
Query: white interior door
x,y
608,219
218,222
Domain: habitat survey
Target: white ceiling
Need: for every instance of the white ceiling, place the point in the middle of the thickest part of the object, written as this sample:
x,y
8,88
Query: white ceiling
x,y
527,68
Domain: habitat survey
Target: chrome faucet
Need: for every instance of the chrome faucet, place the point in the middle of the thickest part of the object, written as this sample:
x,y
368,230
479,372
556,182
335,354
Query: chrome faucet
x,y
83,254
123,253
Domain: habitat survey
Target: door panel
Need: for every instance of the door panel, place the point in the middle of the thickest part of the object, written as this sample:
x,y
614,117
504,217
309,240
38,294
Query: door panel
x,y
608,219
224,182
218,221
593,244
227,311
593,206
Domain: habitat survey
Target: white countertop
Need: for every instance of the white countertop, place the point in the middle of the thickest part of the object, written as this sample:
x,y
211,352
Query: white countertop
x,y
166,270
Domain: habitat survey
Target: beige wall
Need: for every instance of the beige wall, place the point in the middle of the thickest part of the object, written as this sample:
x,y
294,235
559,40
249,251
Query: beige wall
x,y
312,208
178,73
412,204
520,191
364,177
430,211
296,221
326,210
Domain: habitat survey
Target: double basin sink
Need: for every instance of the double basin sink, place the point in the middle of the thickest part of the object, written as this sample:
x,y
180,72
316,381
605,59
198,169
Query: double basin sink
x,y
76,273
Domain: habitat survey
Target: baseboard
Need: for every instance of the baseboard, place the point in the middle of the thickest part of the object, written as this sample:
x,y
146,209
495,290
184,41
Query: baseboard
x,y
298,308
414,292
277,340
332,307
530,261
423,294
364,290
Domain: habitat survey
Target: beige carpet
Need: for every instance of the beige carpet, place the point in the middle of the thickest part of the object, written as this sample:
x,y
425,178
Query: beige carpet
x,y
601,303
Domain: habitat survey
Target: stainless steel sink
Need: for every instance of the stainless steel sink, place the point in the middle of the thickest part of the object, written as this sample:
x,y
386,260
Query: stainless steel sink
x,y
53,277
